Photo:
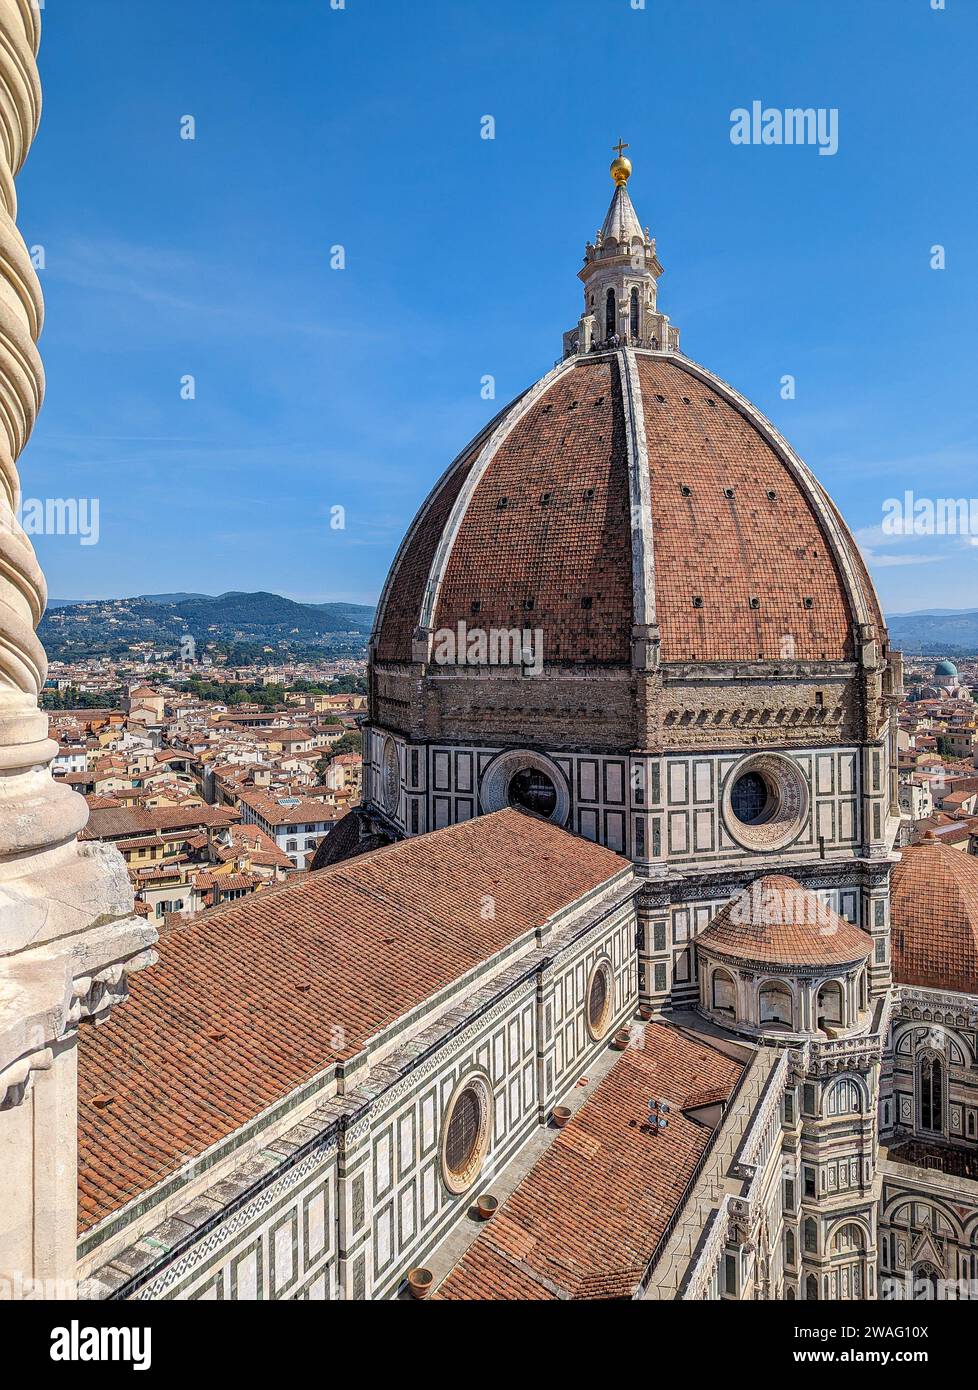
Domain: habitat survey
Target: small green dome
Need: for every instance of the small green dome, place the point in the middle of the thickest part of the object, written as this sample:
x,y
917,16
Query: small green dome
x,y
945,668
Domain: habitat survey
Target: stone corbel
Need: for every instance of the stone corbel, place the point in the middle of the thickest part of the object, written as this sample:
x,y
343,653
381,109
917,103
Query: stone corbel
x,y
94,996
15,1080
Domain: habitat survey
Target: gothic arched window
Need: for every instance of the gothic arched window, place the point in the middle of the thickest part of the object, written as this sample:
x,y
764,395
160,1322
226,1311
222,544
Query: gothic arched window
x,y
633,315
850,1237
930,1086
844,1098
927,1280
610,313
811,1286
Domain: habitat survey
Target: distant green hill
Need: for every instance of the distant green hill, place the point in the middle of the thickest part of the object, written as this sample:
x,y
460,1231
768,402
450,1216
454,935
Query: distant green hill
x,y
171,598
942,632
263,610
112,627
243,623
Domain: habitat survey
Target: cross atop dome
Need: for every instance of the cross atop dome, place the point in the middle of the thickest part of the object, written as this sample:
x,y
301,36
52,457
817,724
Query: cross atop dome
x,y
620,274
621,168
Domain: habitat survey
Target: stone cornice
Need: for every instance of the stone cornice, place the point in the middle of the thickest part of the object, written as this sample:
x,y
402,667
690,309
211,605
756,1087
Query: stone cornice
x,y
824,971
935,1006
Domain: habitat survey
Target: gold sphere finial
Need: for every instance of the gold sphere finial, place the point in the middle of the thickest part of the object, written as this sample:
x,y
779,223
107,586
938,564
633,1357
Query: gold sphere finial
x,y
621,167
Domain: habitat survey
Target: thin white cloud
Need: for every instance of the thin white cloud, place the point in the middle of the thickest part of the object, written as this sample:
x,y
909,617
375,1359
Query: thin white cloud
x,y
889,561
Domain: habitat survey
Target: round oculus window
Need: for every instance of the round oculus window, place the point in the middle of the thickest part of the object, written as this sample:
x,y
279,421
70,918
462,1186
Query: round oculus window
x,y
533,790
765,802
600,1000
466,1133
524,778
750,799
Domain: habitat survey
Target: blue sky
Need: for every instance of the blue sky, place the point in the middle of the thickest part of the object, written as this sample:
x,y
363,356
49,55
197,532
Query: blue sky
x,y
318,388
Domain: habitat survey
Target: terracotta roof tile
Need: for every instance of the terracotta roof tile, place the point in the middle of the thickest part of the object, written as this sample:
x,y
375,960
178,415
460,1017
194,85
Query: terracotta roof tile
x,y
106,822
513,547
288,809
730,550
585,1221
402,605
549,521
778,921
251,999
934,918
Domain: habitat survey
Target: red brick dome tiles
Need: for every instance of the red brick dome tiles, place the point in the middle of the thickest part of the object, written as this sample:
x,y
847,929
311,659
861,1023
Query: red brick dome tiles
x,y
934,918
778,922
532,527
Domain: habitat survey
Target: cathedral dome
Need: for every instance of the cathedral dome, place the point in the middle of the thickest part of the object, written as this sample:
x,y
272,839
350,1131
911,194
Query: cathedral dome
x,y
630,563
778,959
777,922
630,508
945,668
934,914
630,488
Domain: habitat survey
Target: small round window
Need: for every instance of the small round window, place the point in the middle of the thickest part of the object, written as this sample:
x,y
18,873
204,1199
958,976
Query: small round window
x,y
751,800
466,1133
600,1000
765,802
523,778
533,790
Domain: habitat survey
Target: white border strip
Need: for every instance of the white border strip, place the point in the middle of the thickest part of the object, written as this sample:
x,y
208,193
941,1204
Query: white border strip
x,y
639,494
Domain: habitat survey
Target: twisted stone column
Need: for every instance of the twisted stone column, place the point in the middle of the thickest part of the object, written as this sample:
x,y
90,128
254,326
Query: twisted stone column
x,y
67,931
